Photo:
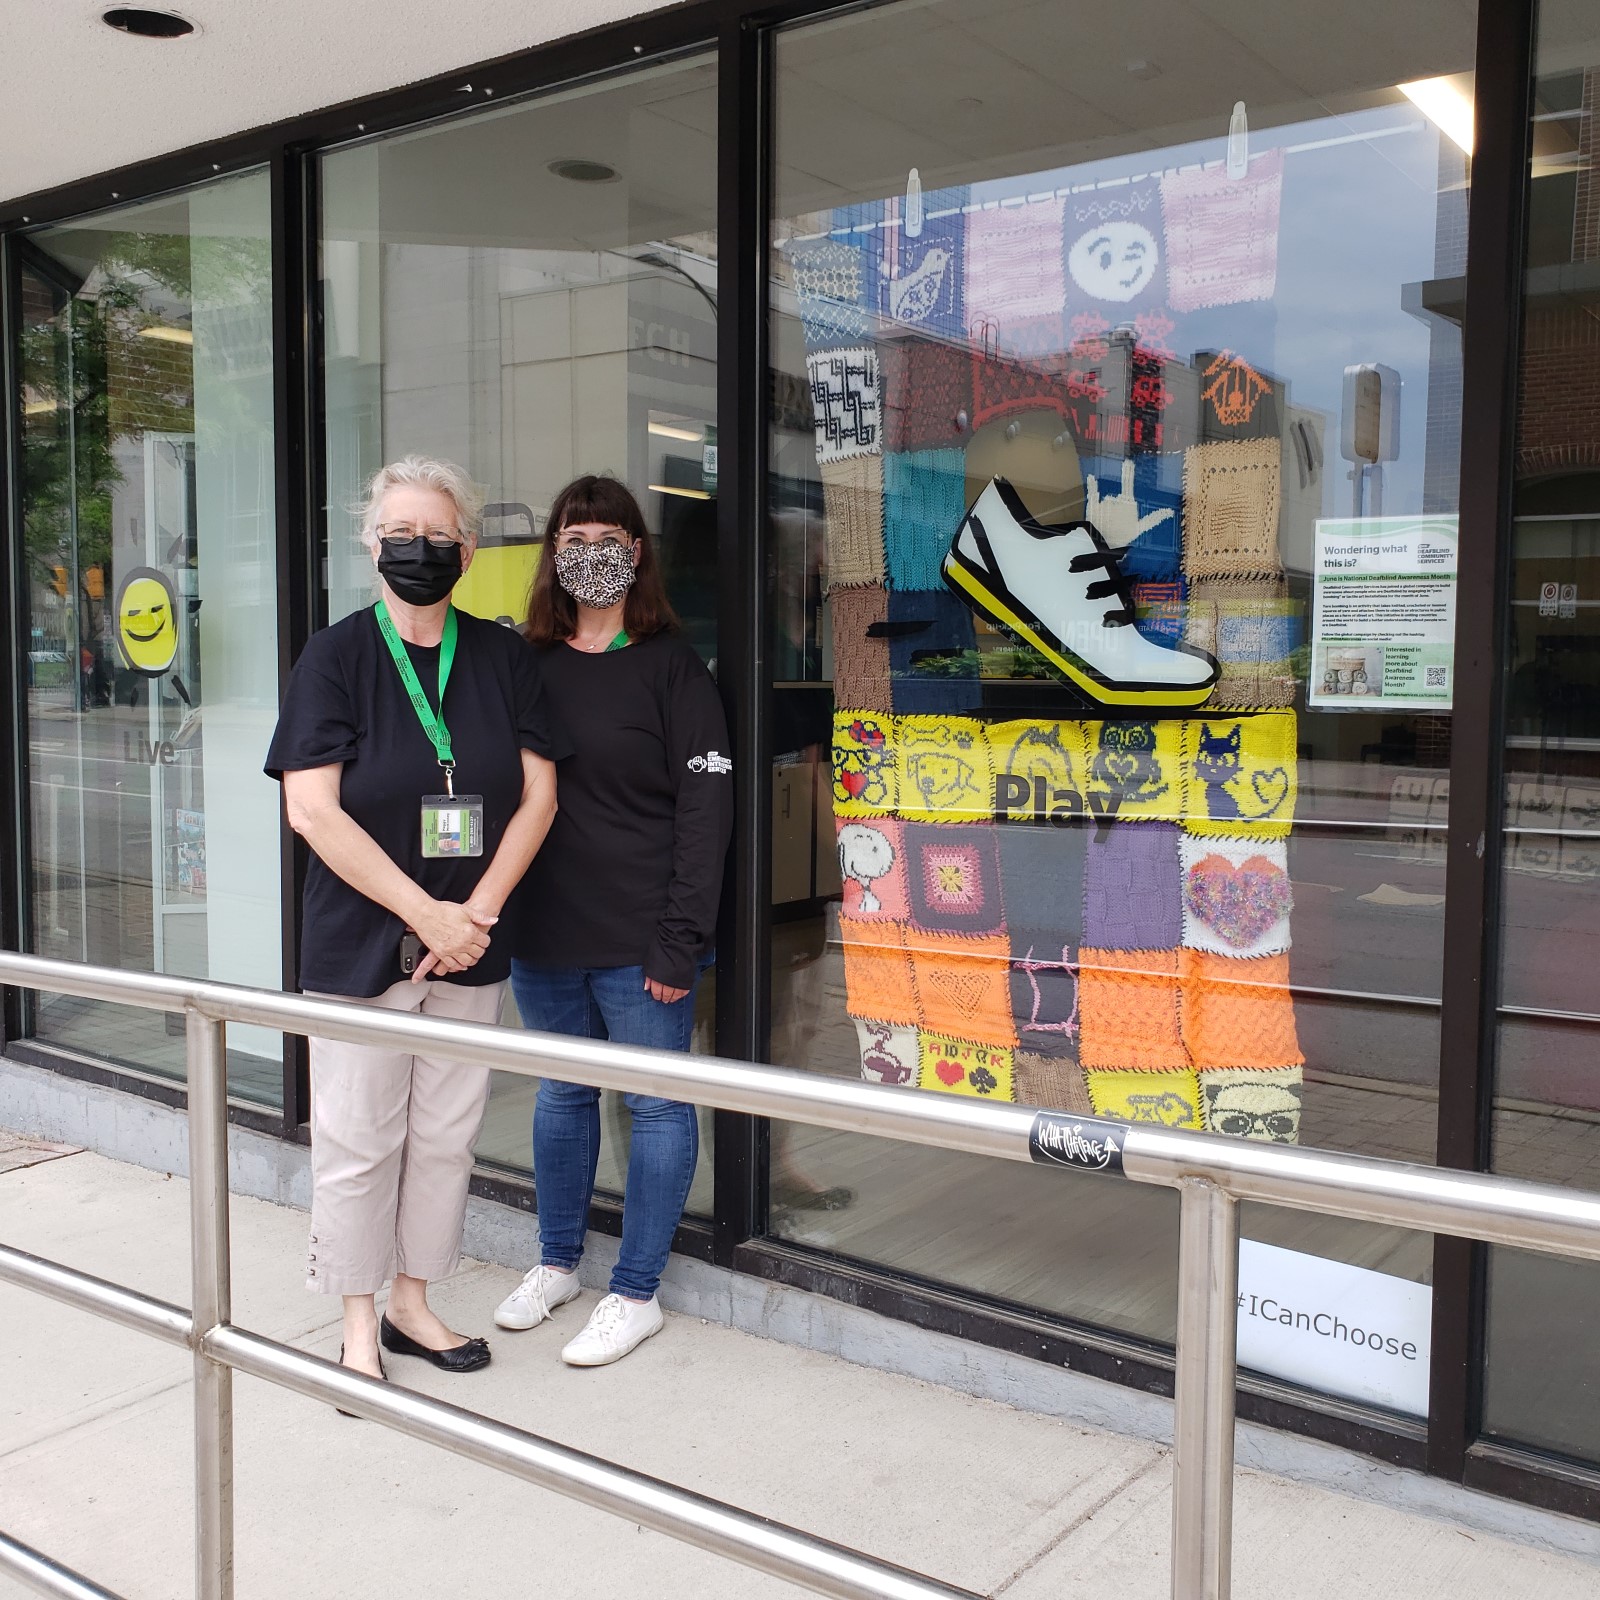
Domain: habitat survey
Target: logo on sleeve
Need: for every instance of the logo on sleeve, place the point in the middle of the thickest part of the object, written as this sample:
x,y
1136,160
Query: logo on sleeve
x,y
711,761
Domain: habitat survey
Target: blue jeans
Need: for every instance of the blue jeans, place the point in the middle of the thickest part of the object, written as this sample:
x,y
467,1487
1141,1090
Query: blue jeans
x,y
608,1003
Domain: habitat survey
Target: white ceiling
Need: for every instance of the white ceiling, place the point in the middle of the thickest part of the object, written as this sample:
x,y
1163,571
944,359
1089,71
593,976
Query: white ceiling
x,y
78,99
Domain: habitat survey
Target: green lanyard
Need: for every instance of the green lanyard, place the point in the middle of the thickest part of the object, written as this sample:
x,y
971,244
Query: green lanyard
x,y
619,643
433,726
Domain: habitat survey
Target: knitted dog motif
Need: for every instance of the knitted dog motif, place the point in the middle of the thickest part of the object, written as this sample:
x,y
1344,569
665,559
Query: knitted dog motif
x,y
1126,763
1217,763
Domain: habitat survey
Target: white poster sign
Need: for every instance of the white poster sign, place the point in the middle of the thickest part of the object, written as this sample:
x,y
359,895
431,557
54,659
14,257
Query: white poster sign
x,y
1384,613
1345,1330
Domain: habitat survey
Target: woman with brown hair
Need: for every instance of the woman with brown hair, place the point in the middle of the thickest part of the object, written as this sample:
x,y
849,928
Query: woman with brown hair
x,y
614,922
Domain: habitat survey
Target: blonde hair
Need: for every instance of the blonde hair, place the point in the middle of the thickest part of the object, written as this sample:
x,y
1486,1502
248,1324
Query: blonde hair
x,y
423,472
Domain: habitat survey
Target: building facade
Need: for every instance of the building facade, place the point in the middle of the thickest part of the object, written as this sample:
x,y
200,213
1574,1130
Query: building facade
x,y
1271,807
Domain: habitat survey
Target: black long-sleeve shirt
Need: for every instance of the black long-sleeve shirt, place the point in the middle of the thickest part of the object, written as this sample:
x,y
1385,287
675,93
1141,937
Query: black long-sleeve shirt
x,y
631,872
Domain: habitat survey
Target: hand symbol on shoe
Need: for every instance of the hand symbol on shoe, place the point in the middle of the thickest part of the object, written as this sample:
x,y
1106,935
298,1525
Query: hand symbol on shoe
x,y
1116,517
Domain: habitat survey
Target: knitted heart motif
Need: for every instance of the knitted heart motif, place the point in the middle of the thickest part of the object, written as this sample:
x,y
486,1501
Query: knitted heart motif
x,y
964,990
1241,903
949,1072
853,782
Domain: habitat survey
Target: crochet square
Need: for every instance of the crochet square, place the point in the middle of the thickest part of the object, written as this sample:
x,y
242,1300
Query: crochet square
x,y
830,283
877,972
924,500
927,394
852,504
1240,775
1162,609
1236,895
889,1054
953,877
918,282
1130,888
1230,512
1222,233
1135,771
1169,1099
1237,399
865,777
1053,1084
1014,266
1114,248
946,769
954,1066
1128,1010
1252,628
962,985
860,649
872,864
1046,760
933,659
1041,885
844,403
1044,998
1237,1012
1253,1105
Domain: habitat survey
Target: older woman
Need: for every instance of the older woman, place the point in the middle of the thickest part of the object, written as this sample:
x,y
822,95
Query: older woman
x,y
417,762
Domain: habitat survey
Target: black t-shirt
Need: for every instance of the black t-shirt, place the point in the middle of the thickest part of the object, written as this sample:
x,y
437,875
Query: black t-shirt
x,y
632,871
346,704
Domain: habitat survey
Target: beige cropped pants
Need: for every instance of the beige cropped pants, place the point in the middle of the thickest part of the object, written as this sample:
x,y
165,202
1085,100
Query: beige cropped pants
x,y
392,1136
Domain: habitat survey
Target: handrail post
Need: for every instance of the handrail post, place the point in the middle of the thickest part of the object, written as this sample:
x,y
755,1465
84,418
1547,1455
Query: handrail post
x,y
1202,1458
206,1049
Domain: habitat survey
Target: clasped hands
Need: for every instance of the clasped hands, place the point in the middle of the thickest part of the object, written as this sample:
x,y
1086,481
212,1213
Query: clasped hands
x,y
456,936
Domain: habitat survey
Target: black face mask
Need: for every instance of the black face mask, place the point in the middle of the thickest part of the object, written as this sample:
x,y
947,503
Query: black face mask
x,y
420,573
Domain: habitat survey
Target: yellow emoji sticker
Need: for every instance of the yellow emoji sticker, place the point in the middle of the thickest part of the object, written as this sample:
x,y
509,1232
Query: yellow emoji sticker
x,y
147,621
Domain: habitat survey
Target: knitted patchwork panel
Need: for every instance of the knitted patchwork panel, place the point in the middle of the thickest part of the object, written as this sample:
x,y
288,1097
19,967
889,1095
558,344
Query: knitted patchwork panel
x,y
1161,609
1222,233
1130,888
852,501
1240,775
830,282
1136,519
933,662
860,650
962,986
1237,1012
1236,895
1044,999
1170,1099
1041,884
1128,1010
927,394
1238,400
1253,1105
866,780
953,877
946,769
872,863
1007,382
1230,511
924,500
1114,247
1053,1084
1014,267
889,1054
1251,627
956,1066
1135,770
845,403
877,972
917,283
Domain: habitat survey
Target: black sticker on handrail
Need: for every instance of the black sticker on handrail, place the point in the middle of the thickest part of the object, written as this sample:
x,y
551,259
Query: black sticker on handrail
x,y
1059,1140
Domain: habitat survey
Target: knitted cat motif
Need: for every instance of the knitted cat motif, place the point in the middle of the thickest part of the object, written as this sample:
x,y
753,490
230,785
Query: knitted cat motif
x,y
1217,763
1126,761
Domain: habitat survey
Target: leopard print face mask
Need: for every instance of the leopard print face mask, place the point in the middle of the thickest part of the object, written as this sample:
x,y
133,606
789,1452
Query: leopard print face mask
x,y
596,575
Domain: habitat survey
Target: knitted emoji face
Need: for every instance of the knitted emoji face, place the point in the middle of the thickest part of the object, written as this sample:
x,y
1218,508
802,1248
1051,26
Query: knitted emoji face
x,y
1114,260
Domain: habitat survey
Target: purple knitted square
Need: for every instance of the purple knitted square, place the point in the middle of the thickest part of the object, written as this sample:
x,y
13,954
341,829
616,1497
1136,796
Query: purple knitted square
x,y
1131,888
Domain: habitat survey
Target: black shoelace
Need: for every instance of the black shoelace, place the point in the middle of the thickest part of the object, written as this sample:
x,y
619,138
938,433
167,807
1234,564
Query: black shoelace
x,y
1113,585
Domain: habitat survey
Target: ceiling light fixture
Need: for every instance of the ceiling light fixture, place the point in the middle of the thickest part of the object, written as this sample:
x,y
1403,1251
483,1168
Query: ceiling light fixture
x,y
578,170
144,24
168,335
687,494
1443,102
665,430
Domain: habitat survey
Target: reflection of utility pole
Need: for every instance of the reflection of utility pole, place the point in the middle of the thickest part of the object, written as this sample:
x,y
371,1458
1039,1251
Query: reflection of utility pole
x,y
1369,432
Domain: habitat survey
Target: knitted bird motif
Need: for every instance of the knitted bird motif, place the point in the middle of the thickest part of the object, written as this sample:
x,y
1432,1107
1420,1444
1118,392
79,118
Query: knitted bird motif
x,y
912,297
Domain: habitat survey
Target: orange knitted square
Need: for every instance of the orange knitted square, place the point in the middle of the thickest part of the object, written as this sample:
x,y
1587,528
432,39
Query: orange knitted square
x,y
963,985
1237,1011
877,971
1128,1010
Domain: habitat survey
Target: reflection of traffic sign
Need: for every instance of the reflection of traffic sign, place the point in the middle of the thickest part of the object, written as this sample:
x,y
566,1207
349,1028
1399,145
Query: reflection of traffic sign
x,y
1548,593
1569,600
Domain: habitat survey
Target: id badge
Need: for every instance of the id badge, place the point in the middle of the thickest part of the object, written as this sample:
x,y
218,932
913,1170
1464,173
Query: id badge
x,y
452,825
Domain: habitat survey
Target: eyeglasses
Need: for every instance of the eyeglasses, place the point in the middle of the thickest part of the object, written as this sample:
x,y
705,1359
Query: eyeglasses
x,y
400,532
607,539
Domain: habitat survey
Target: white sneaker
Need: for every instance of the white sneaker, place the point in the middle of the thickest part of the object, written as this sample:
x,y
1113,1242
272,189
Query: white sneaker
x,y
615,1327
1061,590
539,1293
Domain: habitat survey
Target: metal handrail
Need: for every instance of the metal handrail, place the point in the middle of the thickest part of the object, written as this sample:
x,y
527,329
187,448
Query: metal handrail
x,y
1212,1174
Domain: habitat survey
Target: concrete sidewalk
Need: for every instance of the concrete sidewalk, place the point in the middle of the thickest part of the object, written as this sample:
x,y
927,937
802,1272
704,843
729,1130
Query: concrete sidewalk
x,y
95,1453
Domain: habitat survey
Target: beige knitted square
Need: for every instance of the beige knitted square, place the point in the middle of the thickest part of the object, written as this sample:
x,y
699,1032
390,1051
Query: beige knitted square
x,y
1055,1085
860,657
852,503
1231,494
1246,624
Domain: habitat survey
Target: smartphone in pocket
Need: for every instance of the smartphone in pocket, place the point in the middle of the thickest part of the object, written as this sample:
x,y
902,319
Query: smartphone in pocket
x,y
412,950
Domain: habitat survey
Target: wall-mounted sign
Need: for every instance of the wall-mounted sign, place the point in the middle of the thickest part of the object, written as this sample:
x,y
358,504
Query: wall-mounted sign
x,y
1568,606
1384,618
1340,1329
1549,596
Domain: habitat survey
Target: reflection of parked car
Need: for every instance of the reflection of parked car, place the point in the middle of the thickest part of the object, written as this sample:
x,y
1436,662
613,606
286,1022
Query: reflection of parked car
x,y
496,585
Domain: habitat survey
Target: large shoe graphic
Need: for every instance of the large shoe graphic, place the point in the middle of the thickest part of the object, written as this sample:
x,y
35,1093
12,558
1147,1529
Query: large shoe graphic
x,y
1061,590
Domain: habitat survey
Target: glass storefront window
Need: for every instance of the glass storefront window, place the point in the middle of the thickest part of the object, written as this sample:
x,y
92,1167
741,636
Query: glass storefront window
x,y
1147,819
532,293
152,669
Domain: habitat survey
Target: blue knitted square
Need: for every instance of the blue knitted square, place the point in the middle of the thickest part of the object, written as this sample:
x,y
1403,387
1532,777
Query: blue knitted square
x,y
933,664
924,500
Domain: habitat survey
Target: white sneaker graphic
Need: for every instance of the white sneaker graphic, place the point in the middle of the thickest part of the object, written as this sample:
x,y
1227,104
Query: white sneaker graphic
x,y
1060,589
615,1327
533,1300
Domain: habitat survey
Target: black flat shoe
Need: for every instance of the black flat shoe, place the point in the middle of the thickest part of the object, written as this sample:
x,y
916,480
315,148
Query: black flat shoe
x,y
381,1373
468,1357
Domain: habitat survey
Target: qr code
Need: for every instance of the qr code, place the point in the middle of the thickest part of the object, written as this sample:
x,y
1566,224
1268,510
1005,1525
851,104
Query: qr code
x,y
1437,677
